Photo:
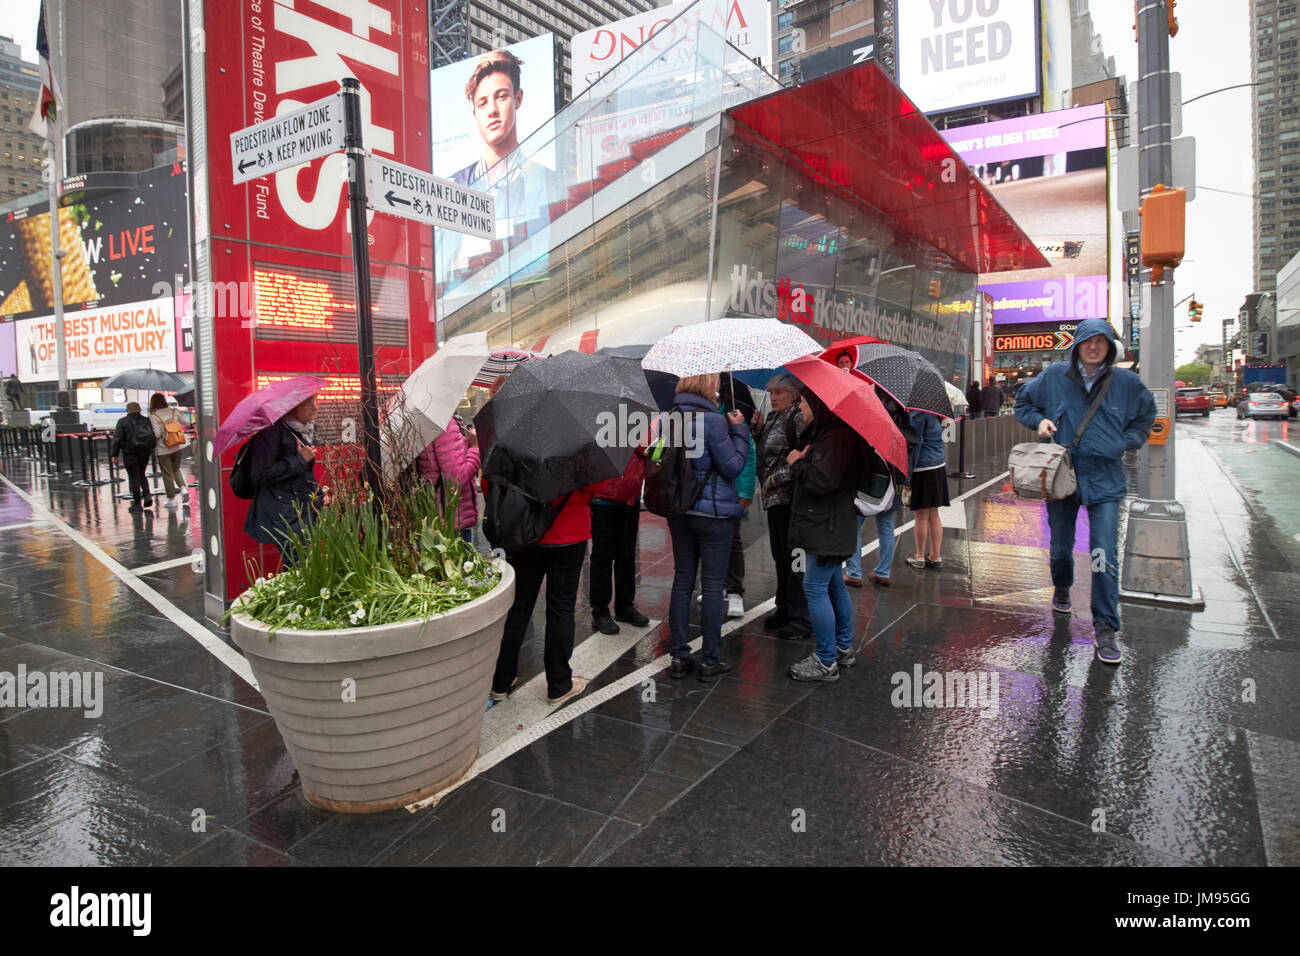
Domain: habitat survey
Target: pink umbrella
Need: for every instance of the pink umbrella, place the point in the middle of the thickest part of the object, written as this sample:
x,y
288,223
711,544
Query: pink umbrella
x,y
264,407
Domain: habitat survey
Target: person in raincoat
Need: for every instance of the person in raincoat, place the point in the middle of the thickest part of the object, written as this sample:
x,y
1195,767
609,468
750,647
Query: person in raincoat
x,y
1054,403
281,467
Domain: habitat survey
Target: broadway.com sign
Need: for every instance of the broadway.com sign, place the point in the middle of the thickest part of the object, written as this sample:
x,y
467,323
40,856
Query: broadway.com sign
x,y
252,60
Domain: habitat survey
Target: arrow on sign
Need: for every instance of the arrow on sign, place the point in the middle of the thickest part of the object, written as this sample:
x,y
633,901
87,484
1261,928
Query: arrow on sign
x,y
392,199
245,164
1064,340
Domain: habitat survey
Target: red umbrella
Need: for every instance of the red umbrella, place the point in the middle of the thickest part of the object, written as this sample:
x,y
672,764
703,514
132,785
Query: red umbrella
x,y
851,397
849,345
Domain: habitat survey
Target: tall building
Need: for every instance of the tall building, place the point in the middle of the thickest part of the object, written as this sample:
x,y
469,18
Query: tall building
x,y
20,82
460,28
1276,140
806,28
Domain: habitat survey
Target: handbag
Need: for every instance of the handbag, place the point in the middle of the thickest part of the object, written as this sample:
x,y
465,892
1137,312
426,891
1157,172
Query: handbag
x,y
872,500
1043,470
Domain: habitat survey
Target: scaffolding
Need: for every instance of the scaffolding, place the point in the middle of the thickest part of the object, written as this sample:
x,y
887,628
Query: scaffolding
x,y
449,31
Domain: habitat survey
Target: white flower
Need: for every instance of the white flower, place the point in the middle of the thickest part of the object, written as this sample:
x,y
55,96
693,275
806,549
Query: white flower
x,y
357,604
361,612
324,592
468,566
259,582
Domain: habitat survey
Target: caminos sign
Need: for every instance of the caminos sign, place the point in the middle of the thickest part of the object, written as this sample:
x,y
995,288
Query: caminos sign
x,y
956,53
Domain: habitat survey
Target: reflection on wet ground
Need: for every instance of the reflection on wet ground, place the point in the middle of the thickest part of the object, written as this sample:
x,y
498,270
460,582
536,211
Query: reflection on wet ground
x,y
975,728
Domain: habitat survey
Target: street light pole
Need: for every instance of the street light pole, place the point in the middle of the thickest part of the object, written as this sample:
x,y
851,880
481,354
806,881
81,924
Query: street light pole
x,y
1157,562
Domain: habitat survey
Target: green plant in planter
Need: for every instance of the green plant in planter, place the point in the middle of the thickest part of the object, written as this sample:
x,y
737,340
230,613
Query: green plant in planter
x,y
360,564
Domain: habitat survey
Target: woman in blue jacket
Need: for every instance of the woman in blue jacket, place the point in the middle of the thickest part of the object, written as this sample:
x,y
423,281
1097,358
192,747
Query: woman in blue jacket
x,y
702,537
929,479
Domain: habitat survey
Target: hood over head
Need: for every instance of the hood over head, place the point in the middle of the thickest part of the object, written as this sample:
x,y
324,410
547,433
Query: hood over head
x,y
1089,328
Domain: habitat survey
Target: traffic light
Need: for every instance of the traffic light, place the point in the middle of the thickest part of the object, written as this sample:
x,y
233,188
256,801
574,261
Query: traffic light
x,y
933,288
1194,310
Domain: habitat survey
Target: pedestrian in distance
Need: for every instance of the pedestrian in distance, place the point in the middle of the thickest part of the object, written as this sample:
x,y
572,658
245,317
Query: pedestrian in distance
x,y
927,466
1054,403
556,559
170,442
14,392
133,443
777,437
453,459
823,529
615,521
991,399
973,393
845,359
282,471
702,536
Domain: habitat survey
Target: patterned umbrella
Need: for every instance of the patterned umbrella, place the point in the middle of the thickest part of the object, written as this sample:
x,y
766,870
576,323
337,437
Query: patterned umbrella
x,y
502,362
728,345
956,396
912,381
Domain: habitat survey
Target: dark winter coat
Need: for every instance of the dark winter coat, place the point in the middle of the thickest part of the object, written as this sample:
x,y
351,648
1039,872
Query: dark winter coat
x,y
281,480
1121,423
780,436
131,421
721,459
823,520
991,399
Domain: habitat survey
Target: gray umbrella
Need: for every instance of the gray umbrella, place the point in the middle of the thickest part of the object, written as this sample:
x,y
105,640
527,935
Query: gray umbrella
x,y
564,422
914,382
146,379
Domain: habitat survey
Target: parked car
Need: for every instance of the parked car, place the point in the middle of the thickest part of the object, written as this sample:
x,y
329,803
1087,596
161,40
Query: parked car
x,y
1192,401
1289,394
1264,405
1218,397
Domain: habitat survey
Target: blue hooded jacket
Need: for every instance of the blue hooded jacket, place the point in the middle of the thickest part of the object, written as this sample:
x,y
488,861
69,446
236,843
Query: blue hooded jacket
x,y
722,456
1121,423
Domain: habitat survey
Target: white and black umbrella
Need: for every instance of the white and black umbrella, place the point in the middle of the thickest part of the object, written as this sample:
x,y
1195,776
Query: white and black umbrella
x,y
913,381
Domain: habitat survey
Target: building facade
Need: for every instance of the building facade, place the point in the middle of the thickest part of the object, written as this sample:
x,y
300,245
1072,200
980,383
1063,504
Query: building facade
x,y
1275,70
20,82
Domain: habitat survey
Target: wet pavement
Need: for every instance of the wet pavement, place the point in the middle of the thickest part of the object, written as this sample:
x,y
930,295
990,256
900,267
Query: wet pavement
x,y
1188,753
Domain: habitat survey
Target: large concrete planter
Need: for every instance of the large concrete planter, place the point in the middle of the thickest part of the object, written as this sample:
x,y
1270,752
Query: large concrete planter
x,y
420,691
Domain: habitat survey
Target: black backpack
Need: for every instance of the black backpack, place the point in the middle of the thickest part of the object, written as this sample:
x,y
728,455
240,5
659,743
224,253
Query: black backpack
x,y
241,476
514,519
138,438
671,487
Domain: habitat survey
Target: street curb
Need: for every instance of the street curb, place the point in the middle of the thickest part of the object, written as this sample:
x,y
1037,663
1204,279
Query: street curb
x,y
1286,447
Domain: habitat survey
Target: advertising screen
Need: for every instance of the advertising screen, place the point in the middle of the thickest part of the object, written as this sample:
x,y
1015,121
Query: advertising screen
x,y
122,253
273,256
958,53
1049,171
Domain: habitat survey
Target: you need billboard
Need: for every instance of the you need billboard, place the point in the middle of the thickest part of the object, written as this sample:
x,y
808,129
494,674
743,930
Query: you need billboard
x,y
122,253
272,257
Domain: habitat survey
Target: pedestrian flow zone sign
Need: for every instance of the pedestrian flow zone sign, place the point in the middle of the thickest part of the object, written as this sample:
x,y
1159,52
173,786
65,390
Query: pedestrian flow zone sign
x,y
414,194
290,139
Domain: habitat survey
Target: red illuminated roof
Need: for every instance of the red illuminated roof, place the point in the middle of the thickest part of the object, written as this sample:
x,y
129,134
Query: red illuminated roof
x,y
857,130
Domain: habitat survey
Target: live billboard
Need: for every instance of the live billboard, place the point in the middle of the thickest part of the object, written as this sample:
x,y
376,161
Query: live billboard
x,y
282,239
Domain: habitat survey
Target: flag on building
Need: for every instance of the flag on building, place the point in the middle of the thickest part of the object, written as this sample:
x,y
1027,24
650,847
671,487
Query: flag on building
x,y
47,102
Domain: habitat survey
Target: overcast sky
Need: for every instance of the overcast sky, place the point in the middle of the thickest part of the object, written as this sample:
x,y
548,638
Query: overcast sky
x,y
1212,50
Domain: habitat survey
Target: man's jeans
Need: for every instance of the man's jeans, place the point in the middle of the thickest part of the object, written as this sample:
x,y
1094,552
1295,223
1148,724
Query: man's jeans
x,y
829,608
1103,547
885,555
702,543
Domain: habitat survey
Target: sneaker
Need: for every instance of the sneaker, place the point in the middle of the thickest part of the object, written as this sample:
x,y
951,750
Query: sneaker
x,y
1104,638
148,502
169,502
918,563
182,499
795,631
775,621
937,563
735,605
878,580
852,581
604,623
845,656
681,666
1061,600
811,669
579,685
630,615
135,509
708,673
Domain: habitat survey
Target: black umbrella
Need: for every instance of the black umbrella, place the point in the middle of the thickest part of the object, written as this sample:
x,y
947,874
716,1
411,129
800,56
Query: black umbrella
x,y
563,422
185,398
146,379
663,385
914,382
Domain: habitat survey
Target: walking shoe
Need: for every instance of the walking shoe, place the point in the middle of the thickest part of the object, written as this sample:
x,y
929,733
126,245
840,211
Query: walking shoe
x,y
708,673
937,563
846,656
498,696
135,509
1104,638
630,615
878,580
918,563
852,581
775,621
148,502
604,623
169,502
1061,600
811,669
735,605
579,685
795,631
680,668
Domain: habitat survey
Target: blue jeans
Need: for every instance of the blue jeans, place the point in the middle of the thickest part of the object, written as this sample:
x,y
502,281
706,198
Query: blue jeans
x,y
1103,543
703,543
885,555
829,608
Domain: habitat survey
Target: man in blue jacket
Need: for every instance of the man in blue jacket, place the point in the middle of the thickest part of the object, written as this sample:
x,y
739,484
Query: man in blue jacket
x,y
1055,403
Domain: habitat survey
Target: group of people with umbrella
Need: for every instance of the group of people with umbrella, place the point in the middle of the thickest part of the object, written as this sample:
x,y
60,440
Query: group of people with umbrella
x,y
843,421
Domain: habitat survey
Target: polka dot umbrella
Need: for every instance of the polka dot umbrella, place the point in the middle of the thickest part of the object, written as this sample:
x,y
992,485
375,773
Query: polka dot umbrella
x,y
912,381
